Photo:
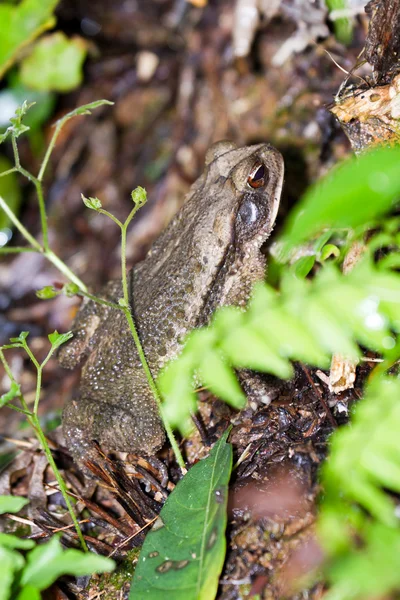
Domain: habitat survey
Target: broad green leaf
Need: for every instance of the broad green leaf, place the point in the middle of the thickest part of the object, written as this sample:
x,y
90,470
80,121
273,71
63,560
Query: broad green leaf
x,y
55,63
183,554
29,592
8,540
11,562
303,266
12,504
10,191
246,348
371,573
47,562
14,392
175,383
343,26
21,23
356,192
219,377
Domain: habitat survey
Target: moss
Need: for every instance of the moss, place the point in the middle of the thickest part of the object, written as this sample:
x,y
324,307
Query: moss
x,y
112,584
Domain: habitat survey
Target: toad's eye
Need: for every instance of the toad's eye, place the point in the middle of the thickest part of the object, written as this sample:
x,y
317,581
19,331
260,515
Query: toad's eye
x,y
258,175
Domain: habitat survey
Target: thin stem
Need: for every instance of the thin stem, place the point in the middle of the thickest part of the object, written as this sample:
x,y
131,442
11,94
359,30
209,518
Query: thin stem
x,y
110,216
153,387
100,300
19,226
61,266
63,489
27,413
15,151
16,250
43,214
49,150
8,172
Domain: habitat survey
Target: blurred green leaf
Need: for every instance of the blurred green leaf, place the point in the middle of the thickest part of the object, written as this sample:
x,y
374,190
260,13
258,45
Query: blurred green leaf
x,y
9,190
12,504
353,194
29,592
14,392
303,266
12,541
221,380
55,63
20,24
11,562
182,556
47,562
343,25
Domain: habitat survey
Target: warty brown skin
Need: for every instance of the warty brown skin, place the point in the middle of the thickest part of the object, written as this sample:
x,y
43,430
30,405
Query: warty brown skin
x,y
208,256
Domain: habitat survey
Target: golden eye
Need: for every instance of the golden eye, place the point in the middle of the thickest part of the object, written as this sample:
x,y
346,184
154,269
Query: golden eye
x,y
258,175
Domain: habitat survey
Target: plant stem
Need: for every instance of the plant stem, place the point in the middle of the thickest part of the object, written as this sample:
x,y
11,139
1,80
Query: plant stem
x,y
127,309
61,266
16,250
8,172
49,150
19,226
153,387
15,151
63,489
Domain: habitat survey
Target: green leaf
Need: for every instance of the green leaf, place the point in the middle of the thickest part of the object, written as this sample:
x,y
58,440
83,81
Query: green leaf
x,y
55,63
10,191
248,349
57,339
343,26
12,541
17,127
371,573
47,292
11,562
12,504
303,266
219,377
21,338
183,554
329,250
21,23
85,109
48,562
356,192
29,592
14,392
176,386
92,203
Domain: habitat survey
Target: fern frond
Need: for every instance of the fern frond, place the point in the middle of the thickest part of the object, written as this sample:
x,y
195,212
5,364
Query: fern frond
x,y
306,321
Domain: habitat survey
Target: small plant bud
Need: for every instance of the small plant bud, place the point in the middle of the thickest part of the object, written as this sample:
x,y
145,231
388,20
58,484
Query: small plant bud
x,y
92,203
